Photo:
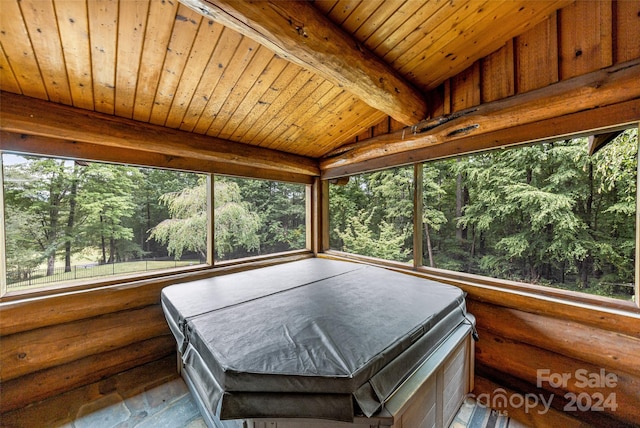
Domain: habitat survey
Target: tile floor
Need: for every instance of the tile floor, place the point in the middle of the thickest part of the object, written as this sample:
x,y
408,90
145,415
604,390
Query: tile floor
x,y
154,396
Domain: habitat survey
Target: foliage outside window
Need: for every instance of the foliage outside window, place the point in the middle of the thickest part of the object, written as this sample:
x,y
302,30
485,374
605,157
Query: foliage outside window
x,y
372,215
67,220
257,217
547,214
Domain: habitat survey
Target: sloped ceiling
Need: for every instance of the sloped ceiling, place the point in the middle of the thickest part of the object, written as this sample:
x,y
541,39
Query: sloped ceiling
x,y
182,66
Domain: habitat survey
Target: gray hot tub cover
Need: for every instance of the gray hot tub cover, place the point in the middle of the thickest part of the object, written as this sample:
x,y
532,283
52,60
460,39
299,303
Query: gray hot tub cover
x,y
307,338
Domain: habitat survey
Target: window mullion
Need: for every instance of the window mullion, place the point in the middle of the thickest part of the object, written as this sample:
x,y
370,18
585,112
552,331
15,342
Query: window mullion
x,y
637,260
3,248
418,189
210,218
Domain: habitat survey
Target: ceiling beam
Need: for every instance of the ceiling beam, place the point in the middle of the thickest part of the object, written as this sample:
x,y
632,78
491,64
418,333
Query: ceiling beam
x,y
49,146
581,124
298,32
30,116
610,86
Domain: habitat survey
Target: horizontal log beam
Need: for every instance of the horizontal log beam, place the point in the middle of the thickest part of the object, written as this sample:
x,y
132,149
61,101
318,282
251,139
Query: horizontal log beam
x,y
35,144
47,347
544,113
57,380
523,361
29,116
601,348
298,32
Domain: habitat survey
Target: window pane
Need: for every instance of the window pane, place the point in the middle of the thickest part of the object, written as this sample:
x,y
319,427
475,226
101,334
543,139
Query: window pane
x,y
257,217
547,214
372,215
68,220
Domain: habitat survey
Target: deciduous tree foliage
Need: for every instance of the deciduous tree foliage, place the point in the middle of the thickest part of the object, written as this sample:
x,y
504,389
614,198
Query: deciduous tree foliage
x,y
99,212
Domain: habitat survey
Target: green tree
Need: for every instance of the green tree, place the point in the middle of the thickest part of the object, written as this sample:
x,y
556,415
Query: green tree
x,y
186,230
36,194
372,214
150,211
107,203
281,208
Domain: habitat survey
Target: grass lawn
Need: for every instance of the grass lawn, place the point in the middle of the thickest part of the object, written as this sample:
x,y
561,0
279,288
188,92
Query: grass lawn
x,y
94,270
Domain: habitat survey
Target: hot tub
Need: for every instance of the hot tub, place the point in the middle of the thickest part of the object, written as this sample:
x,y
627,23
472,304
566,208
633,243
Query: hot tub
x,y
314,339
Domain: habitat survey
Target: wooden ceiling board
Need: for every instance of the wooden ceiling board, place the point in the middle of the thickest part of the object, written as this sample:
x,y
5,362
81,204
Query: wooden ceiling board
x,y
344,118
103,24
395,28
377,19
453,37
315,87
199,58
19,52
281,96
183,39
254,96
360,14
342,9
437,19
265,105
45,40
296,112
162,15
230,78
8,80
222,55
290,138
73,25
249,78
132,24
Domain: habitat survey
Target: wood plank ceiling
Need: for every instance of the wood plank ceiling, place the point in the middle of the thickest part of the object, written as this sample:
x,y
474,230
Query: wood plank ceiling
x,y
163,63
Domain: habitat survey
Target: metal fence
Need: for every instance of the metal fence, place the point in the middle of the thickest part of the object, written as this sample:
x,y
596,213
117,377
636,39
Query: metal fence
x,y
21,278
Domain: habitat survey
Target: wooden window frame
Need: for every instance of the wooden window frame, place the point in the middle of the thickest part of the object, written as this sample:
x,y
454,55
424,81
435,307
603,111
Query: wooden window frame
x,y
211,267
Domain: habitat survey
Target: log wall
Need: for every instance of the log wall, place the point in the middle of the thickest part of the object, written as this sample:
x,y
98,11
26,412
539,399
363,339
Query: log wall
x,y
53,344
521,348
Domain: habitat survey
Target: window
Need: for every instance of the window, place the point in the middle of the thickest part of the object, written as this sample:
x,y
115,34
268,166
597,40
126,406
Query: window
x,y
257,217
372,215
71,220
547,214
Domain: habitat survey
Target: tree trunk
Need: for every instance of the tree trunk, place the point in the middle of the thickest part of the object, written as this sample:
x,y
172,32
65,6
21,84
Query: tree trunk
x,y
102,242
70,221
472,250
587,264
432,262
54,213
147,244
459,205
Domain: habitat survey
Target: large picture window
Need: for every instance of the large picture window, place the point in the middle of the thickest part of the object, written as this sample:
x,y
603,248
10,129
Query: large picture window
x,y
547,214
69,220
